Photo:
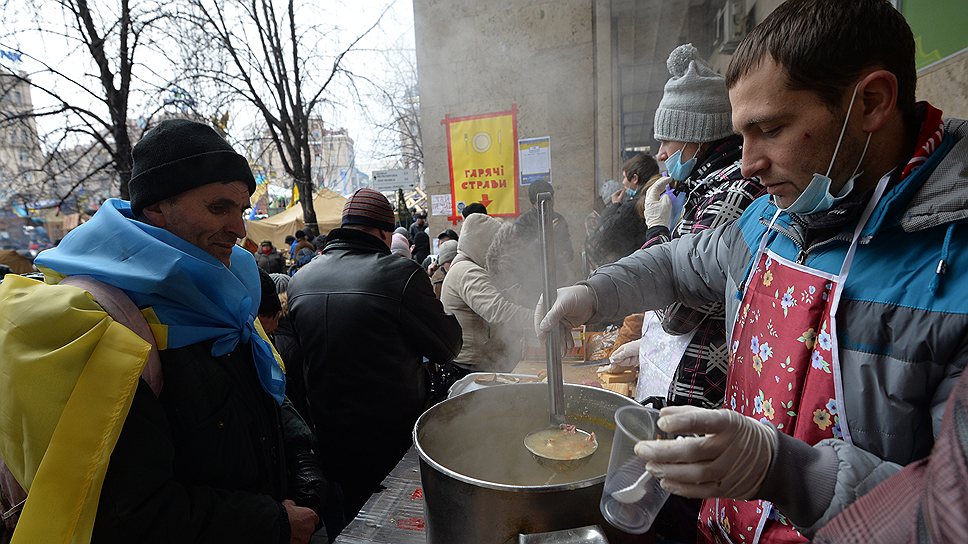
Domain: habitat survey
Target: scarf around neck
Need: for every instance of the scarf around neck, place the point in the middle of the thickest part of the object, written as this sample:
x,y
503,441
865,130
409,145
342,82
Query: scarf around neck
x,y
187,295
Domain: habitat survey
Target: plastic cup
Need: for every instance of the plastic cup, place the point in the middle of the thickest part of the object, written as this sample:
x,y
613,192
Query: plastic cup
x,y
632,424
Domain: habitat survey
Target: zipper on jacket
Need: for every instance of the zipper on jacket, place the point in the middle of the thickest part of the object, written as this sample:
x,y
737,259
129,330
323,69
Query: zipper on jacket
x,y
845,238
786,232
804,252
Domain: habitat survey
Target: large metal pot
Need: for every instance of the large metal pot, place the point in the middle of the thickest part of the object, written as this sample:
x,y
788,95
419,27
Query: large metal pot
x,y
482,486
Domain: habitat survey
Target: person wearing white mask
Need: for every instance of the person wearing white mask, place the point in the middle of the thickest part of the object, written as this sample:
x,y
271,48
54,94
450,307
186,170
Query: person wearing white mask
x,y
848,321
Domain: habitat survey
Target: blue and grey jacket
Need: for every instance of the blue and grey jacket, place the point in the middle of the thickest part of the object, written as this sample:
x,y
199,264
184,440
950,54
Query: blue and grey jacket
x,y
902,322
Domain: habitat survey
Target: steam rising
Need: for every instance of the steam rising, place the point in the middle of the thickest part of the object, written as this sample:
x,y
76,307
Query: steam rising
x,y
481,434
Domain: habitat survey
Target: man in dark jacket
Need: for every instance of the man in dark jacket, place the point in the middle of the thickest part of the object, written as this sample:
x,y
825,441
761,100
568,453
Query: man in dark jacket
x,y
418,225
365,320
269,259
528,232
201,457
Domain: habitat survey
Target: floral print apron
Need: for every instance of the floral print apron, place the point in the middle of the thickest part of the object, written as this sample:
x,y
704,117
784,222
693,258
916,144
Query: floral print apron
x,y
784,370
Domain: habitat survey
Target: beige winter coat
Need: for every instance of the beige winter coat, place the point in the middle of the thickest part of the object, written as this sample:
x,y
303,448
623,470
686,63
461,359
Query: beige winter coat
x,y
493,327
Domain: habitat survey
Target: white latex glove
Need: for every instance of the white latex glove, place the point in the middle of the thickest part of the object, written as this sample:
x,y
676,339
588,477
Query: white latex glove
x,y
625,356
730,461
658,205
574,306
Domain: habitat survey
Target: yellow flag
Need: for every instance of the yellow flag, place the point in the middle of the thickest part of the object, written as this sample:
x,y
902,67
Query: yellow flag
x,y
260,191
65,391
295,195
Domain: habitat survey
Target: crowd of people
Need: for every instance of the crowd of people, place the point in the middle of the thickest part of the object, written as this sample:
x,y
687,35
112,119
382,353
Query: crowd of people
x,y
790,255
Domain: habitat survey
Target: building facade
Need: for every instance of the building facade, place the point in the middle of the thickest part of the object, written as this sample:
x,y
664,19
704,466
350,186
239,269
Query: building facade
x,y
333,160
21,158
589,74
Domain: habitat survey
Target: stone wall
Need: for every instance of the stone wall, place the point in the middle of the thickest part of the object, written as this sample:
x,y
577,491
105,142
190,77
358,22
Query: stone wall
x,y
482,56
945,85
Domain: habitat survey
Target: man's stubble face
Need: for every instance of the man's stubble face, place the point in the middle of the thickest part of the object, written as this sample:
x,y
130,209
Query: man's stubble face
x,y
209,217
789,135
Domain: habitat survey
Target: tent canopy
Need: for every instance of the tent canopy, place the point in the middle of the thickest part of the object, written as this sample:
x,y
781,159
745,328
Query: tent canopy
x,y
329,215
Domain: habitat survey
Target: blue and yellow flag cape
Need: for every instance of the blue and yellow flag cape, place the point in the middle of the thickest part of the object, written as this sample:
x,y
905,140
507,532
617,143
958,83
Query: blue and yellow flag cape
x,y
68,371
187,295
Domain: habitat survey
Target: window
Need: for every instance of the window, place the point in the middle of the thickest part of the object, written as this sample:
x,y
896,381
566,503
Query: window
x,y
17,96
24,156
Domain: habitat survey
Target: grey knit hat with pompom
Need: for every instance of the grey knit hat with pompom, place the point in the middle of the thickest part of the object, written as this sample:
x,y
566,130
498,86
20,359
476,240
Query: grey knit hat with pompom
x,y
695,105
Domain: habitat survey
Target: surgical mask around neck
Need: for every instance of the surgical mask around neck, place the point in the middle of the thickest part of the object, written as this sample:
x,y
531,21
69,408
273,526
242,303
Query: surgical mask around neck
x,y
631,192
678,170
816,196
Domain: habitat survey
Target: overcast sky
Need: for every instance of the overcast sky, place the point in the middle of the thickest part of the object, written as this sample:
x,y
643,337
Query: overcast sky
x,y
347,19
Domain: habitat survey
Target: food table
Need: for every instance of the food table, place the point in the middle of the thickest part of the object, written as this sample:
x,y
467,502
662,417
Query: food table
x,y
396,515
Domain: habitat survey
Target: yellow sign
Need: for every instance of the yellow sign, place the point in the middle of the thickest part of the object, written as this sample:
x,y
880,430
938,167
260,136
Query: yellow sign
x,y
482,152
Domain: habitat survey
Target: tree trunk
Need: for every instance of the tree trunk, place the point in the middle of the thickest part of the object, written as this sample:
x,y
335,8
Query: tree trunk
x,y
123,161
309,212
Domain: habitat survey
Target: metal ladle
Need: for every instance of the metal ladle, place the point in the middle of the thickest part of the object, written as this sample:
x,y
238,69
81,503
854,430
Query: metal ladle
x,y
556,386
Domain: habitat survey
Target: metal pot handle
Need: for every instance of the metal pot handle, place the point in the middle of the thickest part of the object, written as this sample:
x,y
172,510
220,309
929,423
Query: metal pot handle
x,y
591,534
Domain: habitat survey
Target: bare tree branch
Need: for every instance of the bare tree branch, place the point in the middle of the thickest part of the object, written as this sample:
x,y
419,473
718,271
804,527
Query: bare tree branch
x,y
96,107
267,70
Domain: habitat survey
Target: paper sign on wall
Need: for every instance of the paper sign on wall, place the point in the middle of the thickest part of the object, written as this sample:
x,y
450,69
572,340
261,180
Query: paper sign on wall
x,y
441,205
535,159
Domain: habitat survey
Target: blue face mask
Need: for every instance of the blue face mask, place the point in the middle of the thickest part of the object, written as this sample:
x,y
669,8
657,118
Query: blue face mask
x,y
631,192
816,197
677,170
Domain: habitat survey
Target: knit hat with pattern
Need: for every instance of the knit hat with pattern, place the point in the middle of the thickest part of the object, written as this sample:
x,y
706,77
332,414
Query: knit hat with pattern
x,y
178,155
281,281
369,208
695,105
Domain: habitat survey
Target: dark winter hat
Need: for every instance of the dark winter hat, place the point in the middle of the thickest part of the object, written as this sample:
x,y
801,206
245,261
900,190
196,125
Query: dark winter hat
x,y
448,233
472,208
269,305
538,187
178,155
369,208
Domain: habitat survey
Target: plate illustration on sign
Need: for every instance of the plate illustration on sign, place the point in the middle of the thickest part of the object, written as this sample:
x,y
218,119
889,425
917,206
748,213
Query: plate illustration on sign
x,y
482,142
